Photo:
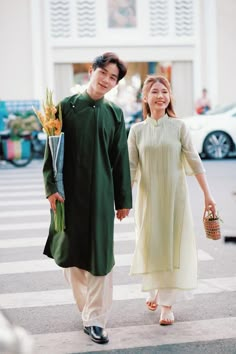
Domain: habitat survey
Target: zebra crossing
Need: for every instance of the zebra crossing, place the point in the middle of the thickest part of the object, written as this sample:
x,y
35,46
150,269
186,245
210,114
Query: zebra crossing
x,y
34,294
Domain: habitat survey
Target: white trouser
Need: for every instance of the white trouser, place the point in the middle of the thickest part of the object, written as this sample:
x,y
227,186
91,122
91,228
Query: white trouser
x,y
93,295
164,297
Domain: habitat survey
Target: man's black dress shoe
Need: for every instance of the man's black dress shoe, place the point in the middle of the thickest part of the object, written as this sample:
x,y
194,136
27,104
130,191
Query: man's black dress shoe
x,y
97,334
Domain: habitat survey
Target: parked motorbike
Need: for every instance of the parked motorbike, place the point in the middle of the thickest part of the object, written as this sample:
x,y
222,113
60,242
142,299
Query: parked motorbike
x,y
38,143
17,151
22,140
22,149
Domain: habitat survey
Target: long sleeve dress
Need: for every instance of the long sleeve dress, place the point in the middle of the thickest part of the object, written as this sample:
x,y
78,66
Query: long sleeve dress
x,y
161,153
96,178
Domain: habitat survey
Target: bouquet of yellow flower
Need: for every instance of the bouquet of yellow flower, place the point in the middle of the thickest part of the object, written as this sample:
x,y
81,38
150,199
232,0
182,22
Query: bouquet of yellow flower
x,y
51,121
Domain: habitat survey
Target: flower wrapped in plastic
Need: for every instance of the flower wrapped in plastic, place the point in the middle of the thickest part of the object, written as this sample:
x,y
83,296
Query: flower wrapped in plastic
x,y
51,121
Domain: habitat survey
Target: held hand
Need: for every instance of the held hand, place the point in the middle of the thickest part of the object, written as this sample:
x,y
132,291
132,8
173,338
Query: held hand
x,y
53,198
210,205
122,213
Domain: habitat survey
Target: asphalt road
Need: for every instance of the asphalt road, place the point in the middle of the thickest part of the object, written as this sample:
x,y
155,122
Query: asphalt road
x,y
34,295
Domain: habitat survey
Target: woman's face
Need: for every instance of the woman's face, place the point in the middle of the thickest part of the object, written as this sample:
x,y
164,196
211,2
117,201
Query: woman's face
x,y
158,97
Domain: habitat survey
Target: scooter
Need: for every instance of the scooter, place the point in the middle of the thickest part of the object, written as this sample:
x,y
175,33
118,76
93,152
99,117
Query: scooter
x,y
20,152
17,151
38,143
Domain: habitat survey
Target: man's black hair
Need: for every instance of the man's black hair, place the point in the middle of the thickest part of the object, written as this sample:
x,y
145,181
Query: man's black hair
x,y
103,60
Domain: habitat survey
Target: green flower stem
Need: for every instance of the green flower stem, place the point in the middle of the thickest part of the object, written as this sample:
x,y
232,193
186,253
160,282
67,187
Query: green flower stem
x,y
59,217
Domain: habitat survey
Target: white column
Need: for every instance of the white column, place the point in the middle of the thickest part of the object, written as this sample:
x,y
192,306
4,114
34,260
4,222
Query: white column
x,y
197,68
49,62
64,80
182,86
210,38
37,48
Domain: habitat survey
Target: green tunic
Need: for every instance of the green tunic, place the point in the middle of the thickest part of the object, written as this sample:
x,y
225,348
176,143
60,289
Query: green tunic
x,y
96,176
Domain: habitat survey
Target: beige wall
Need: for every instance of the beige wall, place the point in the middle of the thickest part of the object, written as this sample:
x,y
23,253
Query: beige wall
x,y
25,75
203,46
64,80
226,25
15,58
182,87
218,56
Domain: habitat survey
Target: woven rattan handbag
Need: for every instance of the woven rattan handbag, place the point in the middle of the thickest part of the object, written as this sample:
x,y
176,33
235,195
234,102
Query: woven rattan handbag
x,y
212,225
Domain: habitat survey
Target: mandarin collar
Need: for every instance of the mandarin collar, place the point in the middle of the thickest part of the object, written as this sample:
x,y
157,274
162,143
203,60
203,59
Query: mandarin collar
x,y
85,96
156,122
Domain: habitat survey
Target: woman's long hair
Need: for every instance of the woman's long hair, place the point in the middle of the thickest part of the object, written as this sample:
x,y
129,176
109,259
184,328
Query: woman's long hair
x,y
148,83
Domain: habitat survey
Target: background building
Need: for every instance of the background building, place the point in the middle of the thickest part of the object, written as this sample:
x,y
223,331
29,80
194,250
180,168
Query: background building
x,y
50,43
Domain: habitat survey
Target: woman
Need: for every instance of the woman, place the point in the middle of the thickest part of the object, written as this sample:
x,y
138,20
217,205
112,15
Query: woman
x,y
160,153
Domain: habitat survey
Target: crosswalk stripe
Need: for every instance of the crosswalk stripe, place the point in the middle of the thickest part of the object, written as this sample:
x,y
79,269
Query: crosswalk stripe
x,y
45,225
22,187
9,183
21,213
204,256
16,175
139,336
23,194
24,226
21,202
47,265
27,184
121,293
40,241
45,211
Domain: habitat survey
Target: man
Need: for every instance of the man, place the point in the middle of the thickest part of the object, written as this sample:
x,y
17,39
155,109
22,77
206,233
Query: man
x,y
203,104
96,176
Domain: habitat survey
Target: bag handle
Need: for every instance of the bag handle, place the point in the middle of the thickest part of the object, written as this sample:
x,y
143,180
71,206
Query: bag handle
x,y
207,214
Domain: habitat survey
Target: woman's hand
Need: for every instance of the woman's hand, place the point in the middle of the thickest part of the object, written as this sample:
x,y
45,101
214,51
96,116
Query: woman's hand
x,y
122,213
210,205
53,198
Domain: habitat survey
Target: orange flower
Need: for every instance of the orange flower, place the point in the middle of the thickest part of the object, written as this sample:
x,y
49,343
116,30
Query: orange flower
x,y
51,123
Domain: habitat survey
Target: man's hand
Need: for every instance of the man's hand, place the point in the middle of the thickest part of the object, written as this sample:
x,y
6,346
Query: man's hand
x,y
122,213
53,198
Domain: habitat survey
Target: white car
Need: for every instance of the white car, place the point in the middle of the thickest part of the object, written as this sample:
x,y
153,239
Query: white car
x,y
214,133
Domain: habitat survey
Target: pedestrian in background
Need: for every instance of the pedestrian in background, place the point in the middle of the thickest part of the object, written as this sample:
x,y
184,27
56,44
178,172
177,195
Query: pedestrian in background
x,y
203,104
96,176
160,153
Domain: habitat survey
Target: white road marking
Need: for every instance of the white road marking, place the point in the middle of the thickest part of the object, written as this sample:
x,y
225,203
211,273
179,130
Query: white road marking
x,y
23,194
16,175
24,226
204,256
46,265
21,202
139,336
121,293
40,241
43,225
22,213
24,186
120,338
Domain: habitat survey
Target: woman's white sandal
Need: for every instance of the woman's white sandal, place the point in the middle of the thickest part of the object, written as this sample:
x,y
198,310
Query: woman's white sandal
x,y
167,317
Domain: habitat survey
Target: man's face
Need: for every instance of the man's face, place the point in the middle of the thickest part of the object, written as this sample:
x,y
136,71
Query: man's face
x,y
104,79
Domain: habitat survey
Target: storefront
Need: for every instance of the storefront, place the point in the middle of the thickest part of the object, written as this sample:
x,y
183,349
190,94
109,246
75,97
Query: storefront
x,y
151,36
191,41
